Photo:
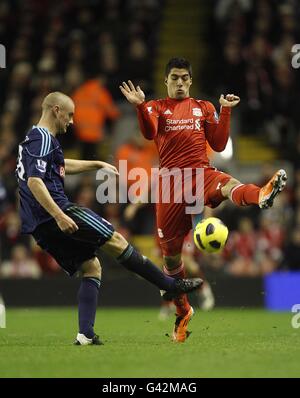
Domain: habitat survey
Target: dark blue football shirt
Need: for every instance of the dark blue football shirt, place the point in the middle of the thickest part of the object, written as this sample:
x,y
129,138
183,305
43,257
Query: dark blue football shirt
x,y
40,155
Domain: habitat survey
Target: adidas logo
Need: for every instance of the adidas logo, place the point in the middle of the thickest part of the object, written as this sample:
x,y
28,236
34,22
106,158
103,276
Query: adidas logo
x,y
168,112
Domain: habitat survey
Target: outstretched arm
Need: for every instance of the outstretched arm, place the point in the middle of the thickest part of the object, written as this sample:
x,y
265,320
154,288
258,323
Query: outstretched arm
x,y
217,132
146,111
74,166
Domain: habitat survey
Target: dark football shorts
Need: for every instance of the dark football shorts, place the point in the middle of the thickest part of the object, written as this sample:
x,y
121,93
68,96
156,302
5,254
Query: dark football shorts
x,y
71,250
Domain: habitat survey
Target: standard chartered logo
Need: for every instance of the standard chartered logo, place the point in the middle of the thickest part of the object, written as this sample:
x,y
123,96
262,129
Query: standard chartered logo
x,y
197,124
2,56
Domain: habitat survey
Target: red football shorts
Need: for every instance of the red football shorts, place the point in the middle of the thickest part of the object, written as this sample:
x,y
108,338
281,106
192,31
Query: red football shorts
x,y
173,223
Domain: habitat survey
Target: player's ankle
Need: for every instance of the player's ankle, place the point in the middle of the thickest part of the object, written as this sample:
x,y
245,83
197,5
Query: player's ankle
x,y
182,310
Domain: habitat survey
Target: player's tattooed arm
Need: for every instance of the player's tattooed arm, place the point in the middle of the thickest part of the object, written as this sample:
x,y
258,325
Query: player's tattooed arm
x,y
217,133
146,112
74,166
42,195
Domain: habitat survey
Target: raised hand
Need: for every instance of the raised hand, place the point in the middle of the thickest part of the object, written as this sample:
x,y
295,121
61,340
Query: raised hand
x,y
134,95
230,100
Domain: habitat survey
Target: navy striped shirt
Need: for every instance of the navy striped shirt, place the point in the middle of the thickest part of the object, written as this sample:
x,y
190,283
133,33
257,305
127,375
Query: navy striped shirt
x,y
40,155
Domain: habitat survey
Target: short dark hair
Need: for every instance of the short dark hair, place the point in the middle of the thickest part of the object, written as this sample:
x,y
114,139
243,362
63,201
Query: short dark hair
x,y
180,63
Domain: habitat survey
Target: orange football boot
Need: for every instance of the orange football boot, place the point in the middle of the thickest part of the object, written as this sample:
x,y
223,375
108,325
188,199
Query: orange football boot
x,y
269,191
180,332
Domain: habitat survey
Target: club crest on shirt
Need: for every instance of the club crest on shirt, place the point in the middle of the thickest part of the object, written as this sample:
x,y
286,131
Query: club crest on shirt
x,y
149,109
62,172
197,112
41,165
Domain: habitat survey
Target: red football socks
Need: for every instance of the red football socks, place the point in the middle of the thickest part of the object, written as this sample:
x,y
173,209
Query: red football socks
x,y
181,302
245,194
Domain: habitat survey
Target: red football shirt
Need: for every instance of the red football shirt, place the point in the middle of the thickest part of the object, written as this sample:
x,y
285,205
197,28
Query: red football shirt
x,y
180,129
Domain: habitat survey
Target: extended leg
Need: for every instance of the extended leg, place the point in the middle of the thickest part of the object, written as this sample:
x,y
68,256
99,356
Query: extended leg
x,y
184,312
248,194
131,259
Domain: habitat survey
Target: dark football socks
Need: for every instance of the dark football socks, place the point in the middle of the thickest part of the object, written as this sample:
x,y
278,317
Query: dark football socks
x,y
141,265
87,305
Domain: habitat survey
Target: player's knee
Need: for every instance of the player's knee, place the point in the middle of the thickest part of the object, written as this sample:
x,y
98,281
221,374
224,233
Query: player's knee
x,y
116,245
226,189
172,261
91,268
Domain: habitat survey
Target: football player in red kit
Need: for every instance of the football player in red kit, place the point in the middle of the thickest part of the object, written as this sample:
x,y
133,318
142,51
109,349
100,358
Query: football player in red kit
x,y
180,126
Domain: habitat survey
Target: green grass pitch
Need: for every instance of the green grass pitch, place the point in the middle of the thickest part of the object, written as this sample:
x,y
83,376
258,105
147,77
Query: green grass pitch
x,y
223,343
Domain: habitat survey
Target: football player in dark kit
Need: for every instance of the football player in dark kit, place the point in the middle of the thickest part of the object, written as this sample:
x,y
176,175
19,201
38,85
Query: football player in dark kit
x,y
70,233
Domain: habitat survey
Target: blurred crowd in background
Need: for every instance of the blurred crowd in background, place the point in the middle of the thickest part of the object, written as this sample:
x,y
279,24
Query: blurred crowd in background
x,y
86,49
254,41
